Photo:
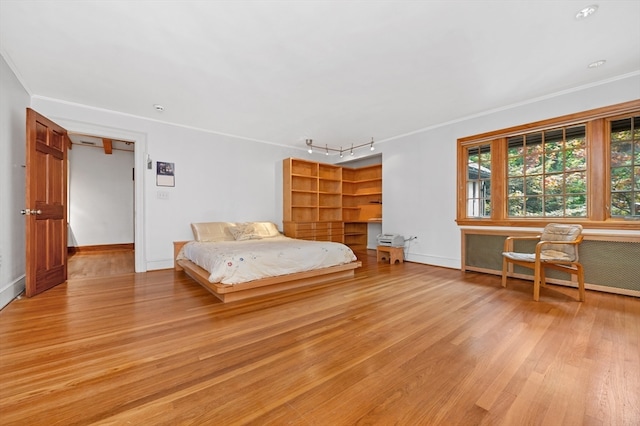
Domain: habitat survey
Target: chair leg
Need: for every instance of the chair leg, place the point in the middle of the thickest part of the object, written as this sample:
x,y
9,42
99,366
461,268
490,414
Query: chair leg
x,y
580,274
536,281
504,272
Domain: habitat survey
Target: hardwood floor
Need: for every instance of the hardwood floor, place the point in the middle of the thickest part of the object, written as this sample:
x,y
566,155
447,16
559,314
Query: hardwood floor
x,y
100,263
407,344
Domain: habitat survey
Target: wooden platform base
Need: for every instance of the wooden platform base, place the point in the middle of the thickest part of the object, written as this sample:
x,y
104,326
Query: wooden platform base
x,y
233,292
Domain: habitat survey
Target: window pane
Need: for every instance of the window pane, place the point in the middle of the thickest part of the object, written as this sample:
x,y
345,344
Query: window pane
x,y
576,183
621,154
621,178
487,207
554,138
576,137
554,184
553,206
534,206
533,164
576,206
516,207
554,161
533,185
516,186
621,203
621,130
485,159
516,146
516,166
576,159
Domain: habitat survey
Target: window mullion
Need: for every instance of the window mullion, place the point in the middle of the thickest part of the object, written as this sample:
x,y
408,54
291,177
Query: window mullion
x,y
598,170
499,199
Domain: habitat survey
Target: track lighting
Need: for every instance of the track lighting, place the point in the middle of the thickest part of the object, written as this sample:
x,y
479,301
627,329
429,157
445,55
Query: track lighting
x,y
327,150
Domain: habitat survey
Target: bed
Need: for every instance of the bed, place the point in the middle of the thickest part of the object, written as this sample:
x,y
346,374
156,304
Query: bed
x,y
235,261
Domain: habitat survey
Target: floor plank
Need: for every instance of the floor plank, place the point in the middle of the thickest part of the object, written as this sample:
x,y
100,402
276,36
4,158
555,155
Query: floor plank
x,y
402,344
100,263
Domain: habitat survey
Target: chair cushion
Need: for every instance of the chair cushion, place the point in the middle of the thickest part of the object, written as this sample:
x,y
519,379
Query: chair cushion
x,y
545,256
560,232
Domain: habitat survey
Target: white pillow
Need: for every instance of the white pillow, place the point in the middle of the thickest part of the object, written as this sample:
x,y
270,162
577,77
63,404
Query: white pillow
x,y
254,231
264,229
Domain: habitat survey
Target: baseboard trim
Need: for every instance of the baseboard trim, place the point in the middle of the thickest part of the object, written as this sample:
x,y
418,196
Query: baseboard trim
x,y
101,247
11,291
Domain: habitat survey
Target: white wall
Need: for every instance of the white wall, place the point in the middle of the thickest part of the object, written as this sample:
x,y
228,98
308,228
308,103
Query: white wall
x,y
419,170
224,178
101,196
14,100
217,177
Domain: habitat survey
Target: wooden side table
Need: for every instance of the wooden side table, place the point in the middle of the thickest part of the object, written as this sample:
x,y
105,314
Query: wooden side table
x,y
391,253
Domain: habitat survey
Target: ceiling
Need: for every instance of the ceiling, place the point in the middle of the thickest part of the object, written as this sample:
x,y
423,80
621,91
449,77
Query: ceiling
x,y
338,72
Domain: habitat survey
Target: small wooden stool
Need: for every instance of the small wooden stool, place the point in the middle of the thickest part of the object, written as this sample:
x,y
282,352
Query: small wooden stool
x,y
391,253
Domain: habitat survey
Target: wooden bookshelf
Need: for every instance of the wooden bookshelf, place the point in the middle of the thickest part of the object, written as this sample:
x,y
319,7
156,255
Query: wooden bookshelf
x,y
361,203
331,203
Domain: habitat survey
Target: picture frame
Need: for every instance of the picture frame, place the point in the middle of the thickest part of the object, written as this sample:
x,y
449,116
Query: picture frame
x,y
165,174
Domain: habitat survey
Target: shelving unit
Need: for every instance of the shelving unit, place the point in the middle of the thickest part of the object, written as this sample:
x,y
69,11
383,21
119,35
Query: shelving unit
x,y
361,203
329,202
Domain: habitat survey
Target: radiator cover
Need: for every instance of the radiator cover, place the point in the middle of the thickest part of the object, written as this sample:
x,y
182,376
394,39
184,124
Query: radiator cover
x,y
609,265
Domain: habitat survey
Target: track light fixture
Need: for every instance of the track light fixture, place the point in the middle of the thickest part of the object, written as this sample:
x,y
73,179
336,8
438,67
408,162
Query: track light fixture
x,y
327,149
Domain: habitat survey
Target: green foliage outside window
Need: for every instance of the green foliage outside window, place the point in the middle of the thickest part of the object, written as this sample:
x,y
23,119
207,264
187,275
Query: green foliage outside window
x,y
546,173
625,167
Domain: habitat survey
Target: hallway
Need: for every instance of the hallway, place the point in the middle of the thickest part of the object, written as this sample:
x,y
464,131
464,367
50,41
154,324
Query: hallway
x,y
100,263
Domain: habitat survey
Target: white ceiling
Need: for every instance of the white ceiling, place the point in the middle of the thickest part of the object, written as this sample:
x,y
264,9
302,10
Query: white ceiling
x,y
339,72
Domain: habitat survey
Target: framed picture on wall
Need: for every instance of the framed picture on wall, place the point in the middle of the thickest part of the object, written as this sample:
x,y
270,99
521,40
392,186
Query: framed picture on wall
x,y
165,174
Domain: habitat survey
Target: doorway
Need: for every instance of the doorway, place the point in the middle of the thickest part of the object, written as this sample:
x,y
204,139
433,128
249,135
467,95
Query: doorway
x,y
101,201
139,141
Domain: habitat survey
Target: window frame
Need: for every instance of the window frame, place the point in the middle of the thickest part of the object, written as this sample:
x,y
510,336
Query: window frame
x,y
597,122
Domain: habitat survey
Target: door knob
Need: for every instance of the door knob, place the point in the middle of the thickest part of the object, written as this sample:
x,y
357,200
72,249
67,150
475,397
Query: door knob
x,y
27,212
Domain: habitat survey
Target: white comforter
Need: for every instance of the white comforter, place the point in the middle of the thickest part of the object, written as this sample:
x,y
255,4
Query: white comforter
x,y
233,262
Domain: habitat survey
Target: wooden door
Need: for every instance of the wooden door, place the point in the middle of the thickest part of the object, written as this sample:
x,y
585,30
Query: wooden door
x,y
46,199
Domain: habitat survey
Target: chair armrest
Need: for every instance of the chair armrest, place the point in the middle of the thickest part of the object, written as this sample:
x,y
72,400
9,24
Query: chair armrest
x,y
543,243
508,242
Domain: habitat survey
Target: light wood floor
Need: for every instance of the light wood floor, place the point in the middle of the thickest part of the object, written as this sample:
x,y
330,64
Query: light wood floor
x,y
404,344
100,263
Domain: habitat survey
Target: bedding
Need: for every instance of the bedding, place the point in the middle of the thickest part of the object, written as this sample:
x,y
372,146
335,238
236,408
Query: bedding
x,y
251,255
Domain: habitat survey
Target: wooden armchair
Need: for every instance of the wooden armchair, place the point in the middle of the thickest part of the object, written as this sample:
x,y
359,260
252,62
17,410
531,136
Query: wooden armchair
x,y
557,249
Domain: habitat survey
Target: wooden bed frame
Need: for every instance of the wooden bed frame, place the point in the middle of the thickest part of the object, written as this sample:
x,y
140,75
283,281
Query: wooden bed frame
x,y
233,292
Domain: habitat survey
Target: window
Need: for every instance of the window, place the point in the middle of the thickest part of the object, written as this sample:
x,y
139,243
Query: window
x,y
546,173
625,167
479,181
583,168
